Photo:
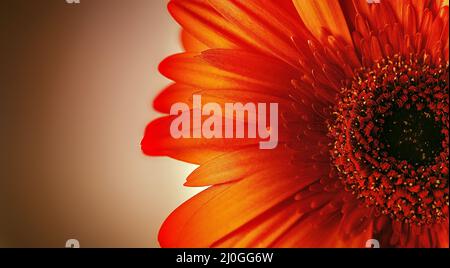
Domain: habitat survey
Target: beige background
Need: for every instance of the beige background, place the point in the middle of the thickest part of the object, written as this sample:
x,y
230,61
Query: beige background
x,y
77,81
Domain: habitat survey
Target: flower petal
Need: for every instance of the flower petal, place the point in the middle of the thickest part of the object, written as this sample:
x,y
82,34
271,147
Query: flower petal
x,y
327,14
264,230
158,141
237,165
205,24
259,23
237,205
203,71
190,43
172,94
173,226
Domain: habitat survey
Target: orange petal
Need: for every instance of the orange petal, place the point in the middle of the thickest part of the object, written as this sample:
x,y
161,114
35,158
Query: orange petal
x,y
258,22
305,234
262,68
236,165
172,94
173,226
324,14
237,205
205,24
158,141
264,230
318,231
190,43
246,74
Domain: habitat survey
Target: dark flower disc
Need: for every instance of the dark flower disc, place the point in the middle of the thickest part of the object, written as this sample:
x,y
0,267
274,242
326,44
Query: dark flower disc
x,y
391,140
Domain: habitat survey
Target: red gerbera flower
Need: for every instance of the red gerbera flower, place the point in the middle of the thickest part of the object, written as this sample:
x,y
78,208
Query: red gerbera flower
x,y
363,139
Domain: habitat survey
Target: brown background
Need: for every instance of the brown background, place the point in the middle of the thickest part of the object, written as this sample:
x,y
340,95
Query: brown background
x,y
76,83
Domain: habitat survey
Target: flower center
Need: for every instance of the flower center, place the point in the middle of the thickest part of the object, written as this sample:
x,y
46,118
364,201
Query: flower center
x,y
390,135
413,136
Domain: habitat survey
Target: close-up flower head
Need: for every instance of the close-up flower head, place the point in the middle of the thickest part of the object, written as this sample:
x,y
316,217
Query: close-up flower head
x,y
313,123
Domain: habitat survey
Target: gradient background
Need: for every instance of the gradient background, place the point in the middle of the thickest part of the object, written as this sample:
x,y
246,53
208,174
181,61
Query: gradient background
x,y
76,83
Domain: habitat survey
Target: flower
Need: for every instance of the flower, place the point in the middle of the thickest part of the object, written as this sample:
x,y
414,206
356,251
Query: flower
x,y
363,145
